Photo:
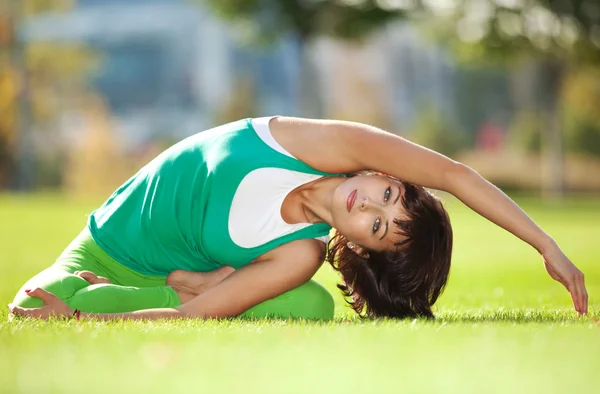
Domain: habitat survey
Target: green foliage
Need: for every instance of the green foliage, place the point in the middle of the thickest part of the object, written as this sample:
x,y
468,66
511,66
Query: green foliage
x,y
33,79
581,96
435,132
343,19
31,7
267,20
526,131
583,135
242,104
554,33
501,32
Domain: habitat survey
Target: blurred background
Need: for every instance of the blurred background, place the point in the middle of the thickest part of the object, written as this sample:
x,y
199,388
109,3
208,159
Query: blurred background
x,y
90,90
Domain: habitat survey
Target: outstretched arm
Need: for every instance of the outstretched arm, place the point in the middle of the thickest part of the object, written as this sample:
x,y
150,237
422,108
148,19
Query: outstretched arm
x,y
285,268
344,147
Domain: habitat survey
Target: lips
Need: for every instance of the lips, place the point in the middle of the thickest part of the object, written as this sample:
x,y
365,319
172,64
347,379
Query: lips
x,y
350,200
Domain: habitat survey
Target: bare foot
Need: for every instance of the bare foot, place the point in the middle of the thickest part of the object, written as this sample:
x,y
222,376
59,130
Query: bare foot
x,y
92,277
197,282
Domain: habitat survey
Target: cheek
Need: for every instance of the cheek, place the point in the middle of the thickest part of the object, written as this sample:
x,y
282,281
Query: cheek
x,y
359,226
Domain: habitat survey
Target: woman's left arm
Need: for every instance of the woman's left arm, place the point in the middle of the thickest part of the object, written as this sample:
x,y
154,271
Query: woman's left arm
x,y
490,202
338,146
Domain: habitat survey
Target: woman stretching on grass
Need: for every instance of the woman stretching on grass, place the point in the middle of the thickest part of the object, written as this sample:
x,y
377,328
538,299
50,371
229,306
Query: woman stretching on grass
x,y
234,221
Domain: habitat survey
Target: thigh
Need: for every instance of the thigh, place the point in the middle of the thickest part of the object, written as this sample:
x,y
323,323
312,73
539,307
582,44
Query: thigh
x,y
309,301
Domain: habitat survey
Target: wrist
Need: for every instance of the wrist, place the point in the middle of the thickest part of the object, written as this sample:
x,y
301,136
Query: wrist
x,y
546,244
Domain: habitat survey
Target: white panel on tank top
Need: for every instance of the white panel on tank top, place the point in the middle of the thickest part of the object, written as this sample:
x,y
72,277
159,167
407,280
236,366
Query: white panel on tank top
x,y
261,126
255,215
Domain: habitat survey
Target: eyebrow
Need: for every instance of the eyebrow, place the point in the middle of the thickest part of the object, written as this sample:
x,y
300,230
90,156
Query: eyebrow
x,y
387,222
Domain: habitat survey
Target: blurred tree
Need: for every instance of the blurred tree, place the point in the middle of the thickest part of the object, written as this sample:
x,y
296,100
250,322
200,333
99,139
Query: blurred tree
x,y
98,164
437,133
33,76
581,98
242,102
556,34
526,131
8,93
346,19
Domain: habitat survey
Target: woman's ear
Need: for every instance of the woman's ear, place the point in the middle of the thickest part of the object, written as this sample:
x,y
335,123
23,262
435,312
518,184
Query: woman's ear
x,y
359,250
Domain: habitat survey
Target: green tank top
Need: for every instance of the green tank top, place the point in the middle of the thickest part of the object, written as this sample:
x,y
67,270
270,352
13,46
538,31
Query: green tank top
x,y
173,214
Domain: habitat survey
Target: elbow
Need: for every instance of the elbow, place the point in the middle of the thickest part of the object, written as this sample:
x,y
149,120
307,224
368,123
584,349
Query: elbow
x,y
184,312
454,175
459,168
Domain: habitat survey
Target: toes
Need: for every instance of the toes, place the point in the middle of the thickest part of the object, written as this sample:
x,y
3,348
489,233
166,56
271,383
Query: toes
x,y
176,276
90,277
84,273
227,270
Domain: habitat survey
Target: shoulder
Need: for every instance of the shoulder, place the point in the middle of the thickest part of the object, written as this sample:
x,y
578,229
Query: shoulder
x,y
342,147
322,144
309,252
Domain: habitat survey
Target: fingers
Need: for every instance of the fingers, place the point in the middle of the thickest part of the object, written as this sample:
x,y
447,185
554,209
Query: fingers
x,y
575,299
576,287
42,295
583,295
574,282
585,300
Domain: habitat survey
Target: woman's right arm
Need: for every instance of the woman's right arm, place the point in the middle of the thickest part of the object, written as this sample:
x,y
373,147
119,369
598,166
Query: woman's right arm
x,y
342,147
285,268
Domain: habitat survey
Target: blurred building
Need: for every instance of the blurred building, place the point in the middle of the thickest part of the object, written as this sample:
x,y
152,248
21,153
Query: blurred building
x,y
170,68
167,67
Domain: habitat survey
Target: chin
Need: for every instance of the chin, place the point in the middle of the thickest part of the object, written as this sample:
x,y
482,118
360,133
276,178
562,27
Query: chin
x,y
339,199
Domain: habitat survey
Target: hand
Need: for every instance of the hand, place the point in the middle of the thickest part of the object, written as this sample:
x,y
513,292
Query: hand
x,y
53,306
564,271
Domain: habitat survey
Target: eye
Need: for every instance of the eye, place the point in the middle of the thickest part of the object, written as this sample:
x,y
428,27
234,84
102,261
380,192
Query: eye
x,y
387,194
376,225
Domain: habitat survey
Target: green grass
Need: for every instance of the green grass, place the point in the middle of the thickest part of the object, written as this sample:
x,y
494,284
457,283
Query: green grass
x,y
503,325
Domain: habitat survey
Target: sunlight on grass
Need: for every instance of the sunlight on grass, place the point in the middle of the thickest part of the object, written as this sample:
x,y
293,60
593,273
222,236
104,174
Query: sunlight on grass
x,y
502,325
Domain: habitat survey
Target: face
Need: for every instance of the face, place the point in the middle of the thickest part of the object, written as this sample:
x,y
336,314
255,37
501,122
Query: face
x,y
364,209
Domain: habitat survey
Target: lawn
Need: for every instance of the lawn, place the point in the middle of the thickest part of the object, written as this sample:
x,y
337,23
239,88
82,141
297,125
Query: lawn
x,y
503,325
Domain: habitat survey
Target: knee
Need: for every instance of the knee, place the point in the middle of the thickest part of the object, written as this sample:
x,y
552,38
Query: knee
x,y
319,304
323,301
309,301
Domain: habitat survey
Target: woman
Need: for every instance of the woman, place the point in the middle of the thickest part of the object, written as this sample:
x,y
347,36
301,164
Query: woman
x,y
235,218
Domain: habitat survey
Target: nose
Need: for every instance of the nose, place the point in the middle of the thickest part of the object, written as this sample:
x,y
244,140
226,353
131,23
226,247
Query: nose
x,y
367,204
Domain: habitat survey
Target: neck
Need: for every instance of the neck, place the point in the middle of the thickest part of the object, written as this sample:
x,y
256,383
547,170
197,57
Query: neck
x,y
317,199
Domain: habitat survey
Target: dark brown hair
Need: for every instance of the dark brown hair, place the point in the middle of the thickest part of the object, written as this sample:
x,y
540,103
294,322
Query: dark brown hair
x,y
406,281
